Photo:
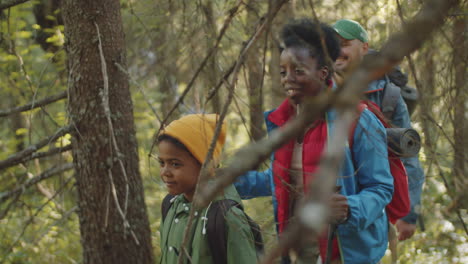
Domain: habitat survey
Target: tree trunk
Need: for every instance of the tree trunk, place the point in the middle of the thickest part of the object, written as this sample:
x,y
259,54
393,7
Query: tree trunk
x,y
113,219
212,71
428,95
460,123
255,70
277,93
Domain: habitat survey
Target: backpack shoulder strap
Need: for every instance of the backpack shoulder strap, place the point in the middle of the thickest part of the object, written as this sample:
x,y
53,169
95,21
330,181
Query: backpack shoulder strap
x,y
216,229
166,205
390,98
399,206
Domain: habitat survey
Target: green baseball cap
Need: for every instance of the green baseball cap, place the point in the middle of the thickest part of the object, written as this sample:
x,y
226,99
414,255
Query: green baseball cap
x,y
350,29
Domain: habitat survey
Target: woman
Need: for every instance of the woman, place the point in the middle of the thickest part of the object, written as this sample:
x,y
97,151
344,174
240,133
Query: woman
x,y
366,182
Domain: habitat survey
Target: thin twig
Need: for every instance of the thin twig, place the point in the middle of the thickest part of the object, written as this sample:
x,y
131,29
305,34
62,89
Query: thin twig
x,y
32,105
10,205
45,175
25,153
204,172
410,59
64,216
52,151
413,35
227,22
462,221
31,219
39,155
113,146
140,89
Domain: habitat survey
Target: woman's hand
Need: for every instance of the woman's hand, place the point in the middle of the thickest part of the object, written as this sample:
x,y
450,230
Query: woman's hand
x,y
339,208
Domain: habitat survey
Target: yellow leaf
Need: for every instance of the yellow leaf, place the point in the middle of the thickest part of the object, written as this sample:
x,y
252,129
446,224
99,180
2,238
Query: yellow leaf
x,y
21,131
23,34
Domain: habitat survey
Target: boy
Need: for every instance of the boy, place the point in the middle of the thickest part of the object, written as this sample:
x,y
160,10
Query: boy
x,y
183,146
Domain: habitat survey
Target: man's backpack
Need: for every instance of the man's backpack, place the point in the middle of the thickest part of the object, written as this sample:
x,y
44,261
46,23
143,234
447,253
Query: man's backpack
x,y
397,83
216,227
400,204
392,91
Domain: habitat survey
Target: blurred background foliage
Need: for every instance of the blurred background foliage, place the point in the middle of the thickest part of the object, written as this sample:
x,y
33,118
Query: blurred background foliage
x,y
166,43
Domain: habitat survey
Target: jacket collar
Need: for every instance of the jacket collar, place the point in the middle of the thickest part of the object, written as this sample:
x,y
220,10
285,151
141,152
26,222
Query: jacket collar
x,y
375,86
285,111
282,114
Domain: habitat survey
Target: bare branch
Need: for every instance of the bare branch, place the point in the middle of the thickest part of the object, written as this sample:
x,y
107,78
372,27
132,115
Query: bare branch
x,y
399,45
204,172
33,104
52,151
4,4
10,205
45,175
114,145
31,220
122,69
227,22
23,154
38,155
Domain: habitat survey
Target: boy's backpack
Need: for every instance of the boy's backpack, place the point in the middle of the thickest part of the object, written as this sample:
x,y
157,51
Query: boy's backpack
x,y
400,204
216,227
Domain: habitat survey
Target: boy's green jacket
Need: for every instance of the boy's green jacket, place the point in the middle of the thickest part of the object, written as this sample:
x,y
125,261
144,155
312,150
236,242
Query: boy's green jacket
x,y
240,245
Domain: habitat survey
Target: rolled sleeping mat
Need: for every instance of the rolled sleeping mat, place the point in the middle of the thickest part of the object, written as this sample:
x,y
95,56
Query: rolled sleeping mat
x,y
404,142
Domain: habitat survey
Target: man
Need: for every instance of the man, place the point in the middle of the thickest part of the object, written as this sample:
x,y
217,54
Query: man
x,y
354,45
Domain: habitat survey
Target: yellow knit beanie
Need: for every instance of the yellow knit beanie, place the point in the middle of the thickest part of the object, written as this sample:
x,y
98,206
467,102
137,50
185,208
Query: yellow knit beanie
x,y
196,132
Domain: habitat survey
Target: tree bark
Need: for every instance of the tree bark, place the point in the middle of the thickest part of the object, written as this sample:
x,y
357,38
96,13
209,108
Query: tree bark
x,y
460,123
277,93
113,219
212,69
255,76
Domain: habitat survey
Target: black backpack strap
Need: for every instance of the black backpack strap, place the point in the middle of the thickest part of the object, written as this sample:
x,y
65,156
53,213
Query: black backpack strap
x,y
390,98
216,229
165,205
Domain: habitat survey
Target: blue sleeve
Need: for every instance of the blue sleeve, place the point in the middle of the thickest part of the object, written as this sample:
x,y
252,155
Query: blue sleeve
x,y
413,167
254,184
257,183
372,171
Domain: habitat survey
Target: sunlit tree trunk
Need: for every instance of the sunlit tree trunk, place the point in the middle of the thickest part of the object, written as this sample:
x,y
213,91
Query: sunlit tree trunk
x,y
460,123
113,219
255,69
166,67
277,94
212,70
427,95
